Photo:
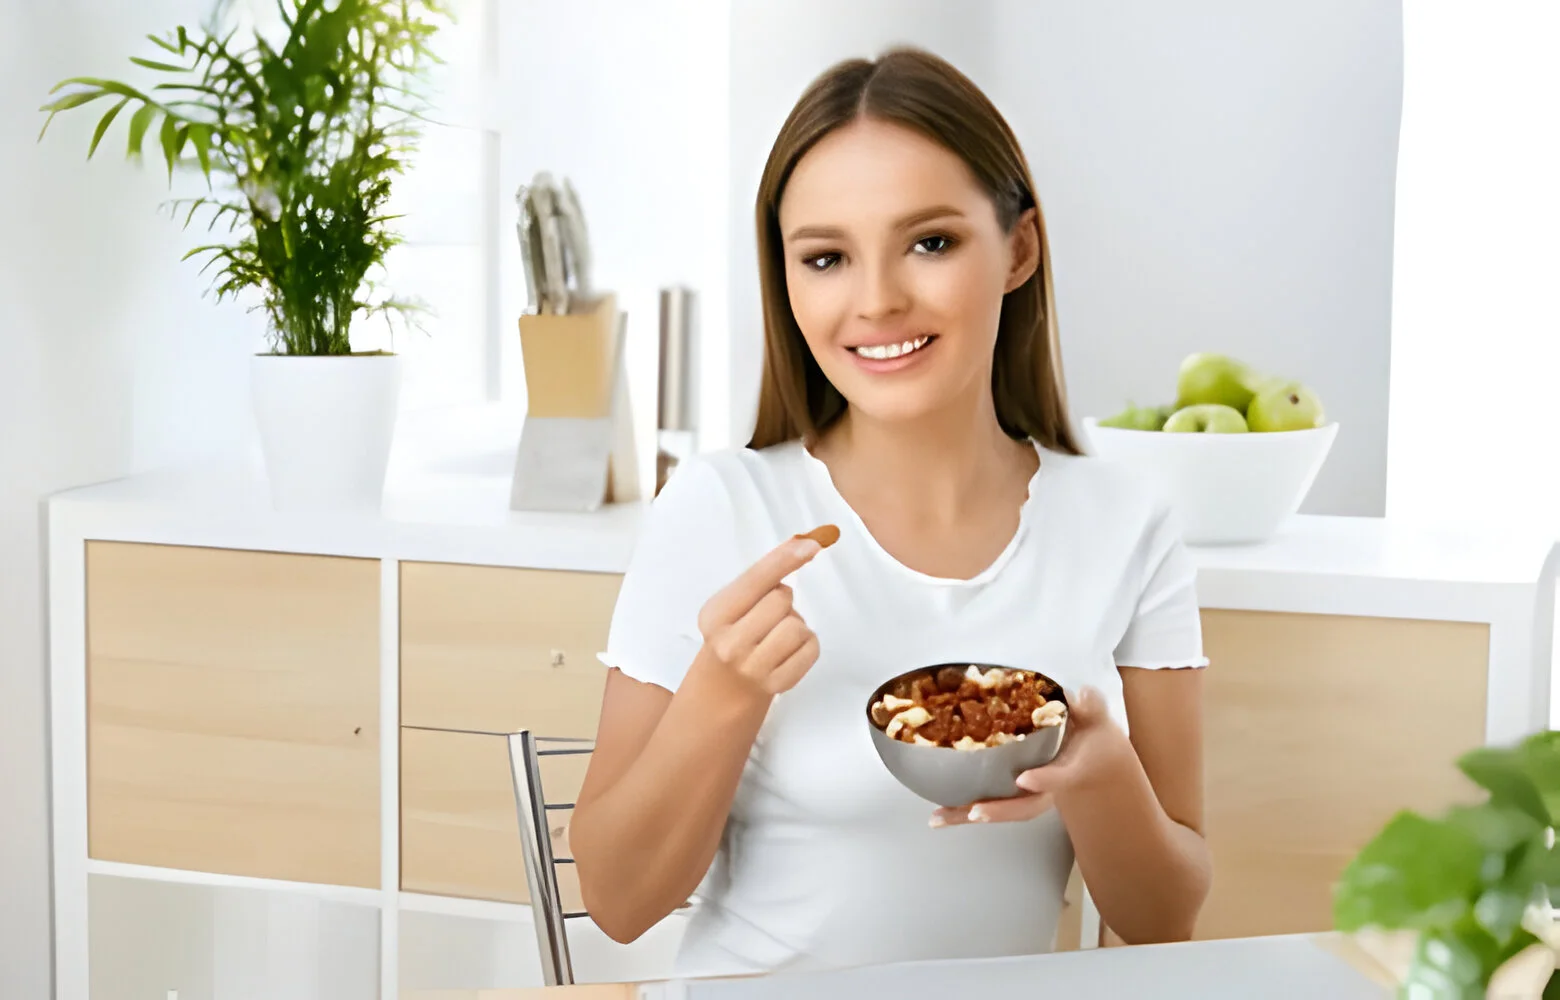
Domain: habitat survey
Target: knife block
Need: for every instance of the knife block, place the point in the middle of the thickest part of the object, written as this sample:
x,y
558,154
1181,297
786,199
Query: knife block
x,y
576,447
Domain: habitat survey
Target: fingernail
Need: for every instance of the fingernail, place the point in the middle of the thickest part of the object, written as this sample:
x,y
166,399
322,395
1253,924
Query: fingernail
x,y
936,822
979,815
804,547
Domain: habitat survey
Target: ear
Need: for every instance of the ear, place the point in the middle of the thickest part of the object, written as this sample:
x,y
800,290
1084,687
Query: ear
x,y
1023,250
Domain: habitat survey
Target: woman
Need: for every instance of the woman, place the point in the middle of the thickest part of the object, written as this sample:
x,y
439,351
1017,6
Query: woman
x,y
912,395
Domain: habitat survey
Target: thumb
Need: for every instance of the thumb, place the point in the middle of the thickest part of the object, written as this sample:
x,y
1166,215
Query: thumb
x,y
1086,708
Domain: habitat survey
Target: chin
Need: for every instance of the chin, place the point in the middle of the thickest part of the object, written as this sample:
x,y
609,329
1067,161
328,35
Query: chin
x,y
897,406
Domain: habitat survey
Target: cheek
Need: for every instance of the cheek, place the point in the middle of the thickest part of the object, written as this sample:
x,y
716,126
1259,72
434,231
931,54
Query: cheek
x,y
821,304
964,293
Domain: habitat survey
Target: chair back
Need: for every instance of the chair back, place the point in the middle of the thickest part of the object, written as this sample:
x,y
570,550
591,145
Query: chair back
x,y
526,751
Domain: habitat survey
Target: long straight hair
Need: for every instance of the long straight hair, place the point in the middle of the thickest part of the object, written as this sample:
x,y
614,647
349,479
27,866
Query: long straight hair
x,y
919,91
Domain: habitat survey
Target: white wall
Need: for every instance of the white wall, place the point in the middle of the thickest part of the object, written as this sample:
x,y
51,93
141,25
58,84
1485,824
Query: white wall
x,y
110,363
628,100
1217,175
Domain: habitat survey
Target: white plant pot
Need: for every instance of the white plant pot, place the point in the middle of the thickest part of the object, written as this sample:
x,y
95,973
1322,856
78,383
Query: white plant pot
x,y
325,428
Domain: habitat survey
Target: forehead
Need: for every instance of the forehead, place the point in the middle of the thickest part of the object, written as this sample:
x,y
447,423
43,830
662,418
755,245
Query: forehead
x,y
871,171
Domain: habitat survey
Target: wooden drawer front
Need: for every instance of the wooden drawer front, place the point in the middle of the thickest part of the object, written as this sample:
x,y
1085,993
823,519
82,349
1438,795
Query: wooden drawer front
x,y
233,712
1318,730
481,648
460,833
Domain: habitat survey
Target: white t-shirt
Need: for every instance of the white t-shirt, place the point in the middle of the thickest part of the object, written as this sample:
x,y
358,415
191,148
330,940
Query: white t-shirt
x,y
827,861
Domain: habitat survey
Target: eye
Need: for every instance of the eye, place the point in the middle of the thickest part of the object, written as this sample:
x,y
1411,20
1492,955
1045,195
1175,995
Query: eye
x,y
820,262
934,245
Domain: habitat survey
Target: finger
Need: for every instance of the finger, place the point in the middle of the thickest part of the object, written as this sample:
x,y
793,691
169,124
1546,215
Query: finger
x,y
1086,708
786,637
772,609
1014,810
740,596
1058,772
786,676
737,641
1049,778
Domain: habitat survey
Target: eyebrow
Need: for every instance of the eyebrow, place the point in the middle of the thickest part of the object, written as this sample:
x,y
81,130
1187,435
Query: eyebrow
x,y
913,219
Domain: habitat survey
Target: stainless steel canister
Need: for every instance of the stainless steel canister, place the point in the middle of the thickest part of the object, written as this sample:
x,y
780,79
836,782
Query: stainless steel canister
x,y
679,387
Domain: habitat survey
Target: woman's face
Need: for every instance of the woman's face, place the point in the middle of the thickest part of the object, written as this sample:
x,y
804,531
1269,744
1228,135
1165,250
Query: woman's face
x,y
896,266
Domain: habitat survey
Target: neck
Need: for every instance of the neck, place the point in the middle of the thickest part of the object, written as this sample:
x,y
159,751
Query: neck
x,y
943,465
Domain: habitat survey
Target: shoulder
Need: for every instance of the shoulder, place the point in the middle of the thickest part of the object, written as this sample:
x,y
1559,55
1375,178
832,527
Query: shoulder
x,y
741,467
713,489
735,476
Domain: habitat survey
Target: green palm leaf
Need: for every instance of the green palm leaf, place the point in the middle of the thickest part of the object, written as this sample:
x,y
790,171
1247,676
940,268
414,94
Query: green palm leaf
x,y
104,123
200,138
161,67
139,123
172,140
165,45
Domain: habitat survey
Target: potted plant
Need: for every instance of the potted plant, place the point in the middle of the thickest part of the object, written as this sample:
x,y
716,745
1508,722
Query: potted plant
x,y
299,137
1458,907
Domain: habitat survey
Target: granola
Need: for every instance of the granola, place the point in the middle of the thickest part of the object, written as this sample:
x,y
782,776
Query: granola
x,y
968,709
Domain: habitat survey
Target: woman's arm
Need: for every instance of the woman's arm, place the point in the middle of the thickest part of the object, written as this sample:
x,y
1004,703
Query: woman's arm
x,y
666,766
1133,808
1137,827
656,796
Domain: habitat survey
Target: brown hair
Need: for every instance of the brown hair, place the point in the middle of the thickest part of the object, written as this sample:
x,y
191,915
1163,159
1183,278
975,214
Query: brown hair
x,y
919,91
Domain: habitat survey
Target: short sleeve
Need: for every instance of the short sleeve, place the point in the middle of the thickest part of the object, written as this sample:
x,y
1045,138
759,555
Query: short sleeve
x,y
685,553
1165,630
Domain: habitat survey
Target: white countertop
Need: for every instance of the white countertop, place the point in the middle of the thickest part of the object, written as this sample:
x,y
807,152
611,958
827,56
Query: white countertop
x,y
447,499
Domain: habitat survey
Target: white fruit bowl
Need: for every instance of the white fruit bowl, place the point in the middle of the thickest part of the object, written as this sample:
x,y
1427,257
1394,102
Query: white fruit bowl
x,y
1228,489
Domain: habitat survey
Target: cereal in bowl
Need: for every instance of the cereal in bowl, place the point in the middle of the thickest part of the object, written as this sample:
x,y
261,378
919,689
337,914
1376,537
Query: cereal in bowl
x,y
967,709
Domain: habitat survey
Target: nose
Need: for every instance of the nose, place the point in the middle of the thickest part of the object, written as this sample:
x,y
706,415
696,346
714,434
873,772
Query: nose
x,y
881,293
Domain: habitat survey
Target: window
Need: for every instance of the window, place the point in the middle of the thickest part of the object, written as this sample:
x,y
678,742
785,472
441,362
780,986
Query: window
x,y
1475,346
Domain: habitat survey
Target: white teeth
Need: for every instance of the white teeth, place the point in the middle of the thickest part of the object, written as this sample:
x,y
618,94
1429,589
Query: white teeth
x,y
883,352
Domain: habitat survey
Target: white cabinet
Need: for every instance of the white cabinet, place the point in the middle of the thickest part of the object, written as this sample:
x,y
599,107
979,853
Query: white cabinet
x,y
154,940
469,951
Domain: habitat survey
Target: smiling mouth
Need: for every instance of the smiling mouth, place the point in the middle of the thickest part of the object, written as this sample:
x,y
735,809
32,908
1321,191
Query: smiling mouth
x,y
886,352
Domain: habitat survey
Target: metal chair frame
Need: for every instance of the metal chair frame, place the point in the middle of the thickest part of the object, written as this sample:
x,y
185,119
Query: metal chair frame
x,y
526,751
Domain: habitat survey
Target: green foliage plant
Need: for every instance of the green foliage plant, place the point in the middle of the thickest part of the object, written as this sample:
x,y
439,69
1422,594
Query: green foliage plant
x,y
299,138
1473,884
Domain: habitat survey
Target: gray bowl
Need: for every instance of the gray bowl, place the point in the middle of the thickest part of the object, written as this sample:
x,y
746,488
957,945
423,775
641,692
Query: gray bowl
x,y
956,778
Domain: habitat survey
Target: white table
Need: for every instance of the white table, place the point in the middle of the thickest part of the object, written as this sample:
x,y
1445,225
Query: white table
x,y
1276,968
1302,967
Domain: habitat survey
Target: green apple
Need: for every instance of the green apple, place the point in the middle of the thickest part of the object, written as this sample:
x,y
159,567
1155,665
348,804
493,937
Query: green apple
x,y
1216,378
1139,418
1206,418
1285,406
